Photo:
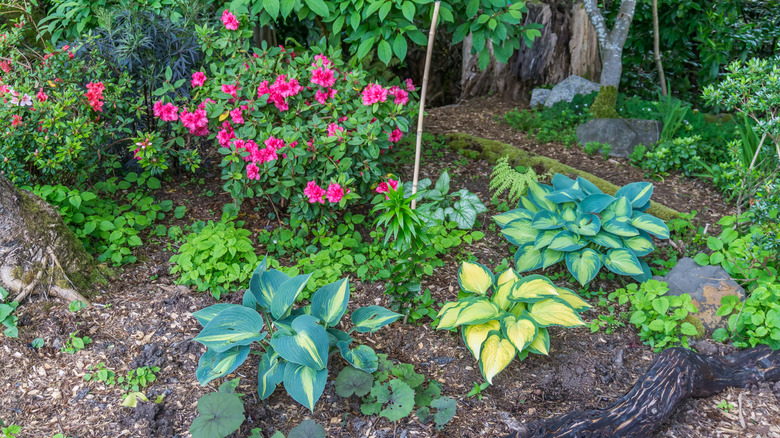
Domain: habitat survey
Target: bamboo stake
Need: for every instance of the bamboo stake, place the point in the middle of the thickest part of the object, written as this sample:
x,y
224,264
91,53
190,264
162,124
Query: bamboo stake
x,y
428,56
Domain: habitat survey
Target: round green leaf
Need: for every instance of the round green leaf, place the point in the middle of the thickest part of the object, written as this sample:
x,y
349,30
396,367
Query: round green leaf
x,y
220,415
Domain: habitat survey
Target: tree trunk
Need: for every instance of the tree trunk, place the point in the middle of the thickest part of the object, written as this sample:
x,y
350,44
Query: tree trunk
x,y
37,250
611,42
675,375
567,46
657,49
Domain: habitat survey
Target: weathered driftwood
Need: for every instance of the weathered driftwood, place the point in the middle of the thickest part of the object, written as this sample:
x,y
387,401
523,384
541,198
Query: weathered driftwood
x,y
37,250
675,375
568,45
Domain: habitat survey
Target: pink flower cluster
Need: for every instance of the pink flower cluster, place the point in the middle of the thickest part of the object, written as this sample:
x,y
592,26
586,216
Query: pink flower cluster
x,y
167,112
385,187
198,79
280,91
95,95
229,20
374,93
316,193
401,96
195,121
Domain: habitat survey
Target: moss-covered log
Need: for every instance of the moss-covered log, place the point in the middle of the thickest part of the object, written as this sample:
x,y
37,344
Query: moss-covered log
x,y
37,250
675,375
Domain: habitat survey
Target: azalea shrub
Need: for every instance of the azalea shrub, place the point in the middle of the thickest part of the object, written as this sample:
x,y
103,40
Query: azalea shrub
x,y
299,128
63,114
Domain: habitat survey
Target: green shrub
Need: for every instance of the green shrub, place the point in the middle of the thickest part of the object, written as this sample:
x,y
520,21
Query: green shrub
x,y
301,340
215,257
576,222
754,321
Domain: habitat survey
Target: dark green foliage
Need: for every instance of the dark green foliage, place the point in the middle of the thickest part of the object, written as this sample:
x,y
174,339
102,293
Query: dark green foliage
x,y
219,413
556,123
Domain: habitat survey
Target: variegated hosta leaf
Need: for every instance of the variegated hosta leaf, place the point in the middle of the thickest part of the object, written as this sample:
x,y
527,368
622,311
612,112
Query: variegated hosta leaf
x,y
606,239
474,278
449,314
306,345
361,357
304,384
533,288
286,293
527,258
640,245
544,238
551,257
372,318
620,228
651,224
270,373
518,213
265,285
495,355
205,315
567,241
622,261
477,311
537,193
595,203
501,296
573,299
213,365
584,264
236,325
329,303
540,345
475,335
546,220
554,311
637,193
561,182
518,309
521,331
519,232
507,276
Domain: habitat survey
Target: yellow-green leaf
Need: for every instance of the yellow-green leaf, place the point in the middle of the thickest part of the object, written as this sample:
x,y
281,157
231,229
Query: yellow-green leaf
x,y
532,289
475,335
520,331
554,311
477,311
449,314
573,299
540,345
131,399
474,278
496,354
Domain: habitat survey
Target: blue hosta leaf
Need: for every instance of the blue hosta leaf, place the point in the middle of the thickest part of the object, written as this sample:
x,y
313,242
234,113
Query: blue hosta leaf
x,y
561,181
547,220
622,261
584,264
587,224
606,239
205,315
264,285
537,194
565,195
595,203
567,241
519,213
220,414
269,373
637,193
519,232
640,245
213,365
361,357
306,345
335,336
646,272
329,303
527,258
588,187
234,326
248,300
286,293
651,224
620,228
544,238
304,384
619,209
372,318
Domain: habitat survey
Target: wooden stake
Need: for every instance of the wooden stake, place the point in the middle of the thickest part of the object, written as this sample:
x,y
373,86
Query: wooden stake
x,y
428,56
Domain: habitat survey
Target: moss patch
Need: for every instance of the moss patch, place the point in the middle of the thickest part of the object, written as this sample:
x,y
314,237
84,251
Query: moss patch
x,y
605,105
491,150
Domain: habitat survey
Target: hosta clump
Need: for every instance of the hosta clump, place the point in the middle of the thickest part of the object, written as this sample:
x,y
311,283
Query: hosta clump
x,y
301,340
514,319
575,221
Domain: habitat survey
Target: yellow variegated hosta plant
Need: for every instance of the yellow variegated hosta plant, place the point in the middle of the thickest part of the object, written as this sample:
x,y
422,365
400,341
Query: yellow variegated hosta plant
x,y
506,315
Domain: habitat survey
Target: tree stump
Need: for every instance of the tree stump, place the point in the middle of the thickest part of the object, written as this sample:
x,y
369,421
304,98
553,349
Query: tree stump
x,y
675,375
37,249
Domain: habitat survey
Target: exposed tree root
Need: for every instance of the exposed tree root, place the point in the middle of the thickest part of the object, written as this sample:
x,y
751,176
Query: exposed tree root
x,y
675,375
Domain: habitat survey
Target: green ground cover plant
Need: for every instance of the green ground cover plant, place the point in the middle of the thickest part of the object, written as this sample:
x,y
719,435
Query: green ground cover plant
x,y
7,318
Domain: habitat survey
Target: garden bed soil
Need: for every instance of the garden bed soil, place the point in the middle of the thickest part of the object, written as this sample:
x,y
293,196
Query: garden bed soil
x,y
141,317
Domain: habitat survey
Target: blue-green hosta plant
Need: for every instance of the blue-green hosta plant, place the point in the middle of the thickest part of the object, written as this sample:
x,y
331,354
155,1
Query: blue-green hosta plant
x,y
512,320
575,221
296,343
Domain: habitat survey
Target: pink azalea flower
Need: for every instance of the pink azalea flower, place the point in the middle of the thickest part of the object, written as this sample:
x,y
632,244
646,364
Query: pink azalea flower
x,y
409,85
169,113
334,130
198,79
325,61
225,135
252,171
324,77
374,93
321,96
42,97
401,97
274,143
267,154
393,184
16,120
395,136
229,20
314,193
230,89
157,108
196,121
236,116
335,193
202,105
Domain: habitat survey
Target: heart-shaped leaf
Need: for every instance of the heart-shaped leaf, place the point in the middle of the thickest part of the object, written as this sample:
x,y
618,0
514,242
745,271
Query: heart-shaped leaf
x,y
306,345
220,415
233,326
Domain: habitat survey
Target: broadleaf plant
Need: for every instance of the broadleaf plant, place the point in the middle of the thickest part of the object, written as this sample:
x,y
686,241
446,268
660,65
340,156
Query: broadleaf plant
x,y
575,222
511,321
301,339
437,205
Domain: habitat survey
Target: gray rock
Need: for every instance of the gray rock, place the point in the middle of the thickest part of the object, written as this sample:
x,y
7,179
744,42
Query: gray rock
x,y
539,96
706,286
570,87
623,135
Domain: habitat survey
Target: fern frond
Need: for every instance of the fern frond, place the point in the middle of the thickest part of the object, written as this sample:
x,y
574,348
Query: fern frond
x,y
504,178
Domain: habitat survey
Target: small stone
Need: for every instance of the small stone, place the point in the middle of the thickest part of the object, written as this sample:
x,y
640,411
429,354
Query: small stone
x,y
539,96
570,87
443,360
